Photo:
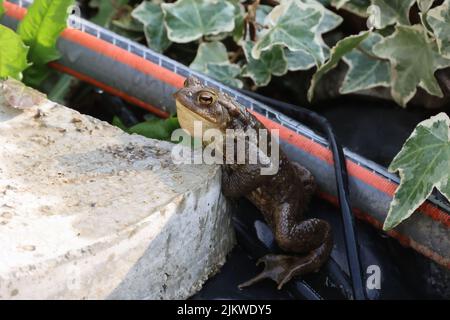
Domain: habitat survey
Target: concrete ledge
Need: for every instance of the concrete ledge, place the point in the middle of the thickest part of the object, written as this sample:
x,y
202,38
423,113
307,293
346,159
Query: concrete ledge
x,y
90,212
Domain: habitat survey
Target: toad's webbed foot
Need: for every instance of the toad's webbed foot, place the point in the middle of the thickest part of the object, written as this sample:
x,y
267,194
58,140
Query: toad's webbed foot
x,y
282,268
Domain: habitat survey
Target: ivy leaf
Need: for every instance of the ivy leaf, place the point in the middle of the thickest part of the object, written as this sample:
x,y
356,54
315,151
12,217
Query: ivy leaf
x,y
358,7
271,62
152,17
365,69
107,9
126,22
439,20
299,60
125,25
330,20
226,73
424,5
212,60
293,24
414,59
239,20
392,11
338,4
423,164
189,20
209,52
302,60
341,48
13,55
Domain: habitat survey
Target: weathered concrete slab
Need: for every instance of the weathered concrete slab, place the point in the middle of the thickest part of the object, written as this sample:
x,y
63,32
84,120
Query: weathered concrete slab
x,y
90,212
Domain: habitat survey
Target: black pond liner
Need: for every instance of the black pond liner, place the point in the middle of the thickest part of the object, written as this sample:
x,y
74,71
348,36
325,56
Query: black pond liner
x,y
147,79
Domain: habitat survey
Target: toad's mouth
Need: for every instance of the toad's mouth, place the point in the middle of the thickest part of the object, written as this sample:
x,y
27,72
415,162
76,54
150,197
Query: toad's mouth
x,y
188,120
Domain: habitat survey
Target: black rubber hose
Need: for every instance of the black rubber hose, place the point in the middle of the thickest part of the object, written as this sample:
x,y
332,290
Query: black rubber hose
x,y
351,240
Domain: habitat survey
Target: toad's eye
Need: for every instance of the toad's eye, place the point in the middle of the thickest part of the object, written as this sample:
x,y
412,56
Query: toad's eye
x,y
206,98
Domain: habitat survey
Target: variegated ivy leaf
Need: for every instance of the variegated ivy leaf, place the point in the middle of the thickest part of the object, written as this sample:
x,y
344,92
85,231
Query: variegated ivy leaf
x,y
209,52
414,59
261,13
358,7
293,24
212,60
271,62
189,20
439,20
299,60
339,3
239,25
226,73
392,11
423,164
425,5
365,69
106,10
152,17
302,60
341,48
329,21
296,60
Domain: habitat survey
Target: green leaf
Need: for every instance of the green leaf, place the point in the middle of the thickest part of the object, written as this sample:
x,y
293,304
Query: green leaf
x,y
126,22
439,20
13,55
299,60
2,9
41,27
261,13
295,25
358,7
35,75
338,4
392,11
212,60
60,89
365,69
271,62
116,121
341,48
414,59
209,52
226,73
160,129
107,9
189,20
423,164
330,20
152,17
239,20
